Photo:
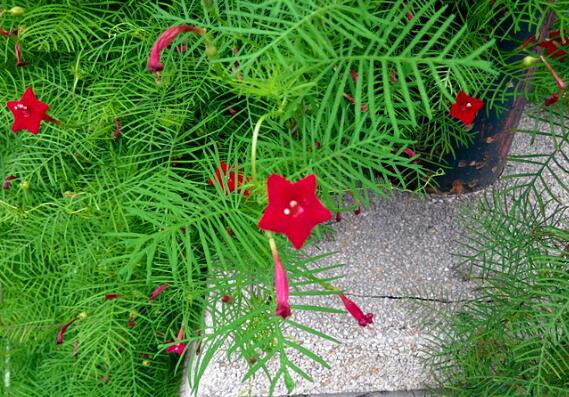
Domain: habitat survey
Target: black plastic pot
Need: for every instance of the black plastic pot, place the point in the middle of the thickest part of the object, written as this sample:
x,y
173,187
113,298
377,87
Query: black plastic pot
x,y
480,164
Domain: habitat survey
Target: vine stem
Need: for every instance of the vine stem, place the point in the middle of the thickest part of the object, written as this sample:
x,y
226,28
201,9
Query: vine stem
x,y
254,147
255,139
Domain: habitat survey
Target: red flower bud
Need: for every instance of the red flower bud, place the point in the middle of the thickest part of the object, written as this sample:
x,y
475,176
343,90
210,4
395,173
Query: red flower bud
x,y
6,183
62,331
356,312
158,291
281,285
112,296
117,133
227,299
19,61
552,99
164,41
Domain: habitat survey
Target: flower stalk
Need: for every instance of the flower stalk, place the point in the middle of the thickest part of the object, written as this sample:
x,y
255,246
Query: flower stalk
x,y
560,83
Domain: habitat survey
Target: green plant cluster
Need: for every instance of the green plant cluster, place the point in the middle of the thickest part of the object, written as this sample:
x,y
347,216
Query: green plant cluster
x,y
513,340
92,213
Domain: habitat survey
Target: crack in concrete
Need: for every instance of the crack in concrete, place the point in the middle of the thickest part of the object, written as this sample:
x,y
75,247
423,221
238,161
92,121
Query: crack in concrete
x,y
419,298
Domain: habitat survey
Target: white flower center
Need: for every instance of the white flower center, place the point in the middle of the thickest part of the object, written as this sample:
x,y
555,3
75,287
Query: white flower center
x,y
468,105
294,208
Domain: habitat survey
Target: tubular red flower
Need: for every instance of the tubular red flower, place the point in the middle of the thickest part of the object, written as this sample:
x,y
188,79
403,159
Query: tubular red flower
x,y
164,41
158,291
62,330
466,108
19,61
281,287
409,152
357,313
29,112
354,75
294,209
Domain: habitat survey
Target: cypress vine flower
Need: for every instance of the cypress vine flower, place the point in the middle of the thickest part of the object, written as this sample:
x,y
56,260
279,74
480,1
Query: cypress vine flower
x,y
357,313
164,40
294,209
158,291
553,46
227,179
29,112
62,330
466,108
178,348
112,296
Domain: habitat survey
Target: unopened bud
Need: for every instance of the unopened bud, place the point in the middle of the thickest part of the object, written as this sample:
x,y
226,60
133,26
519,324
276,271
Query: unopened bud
x,y
82,316
210,49
146,363
70,195
25,185
17,11
6,183
529,60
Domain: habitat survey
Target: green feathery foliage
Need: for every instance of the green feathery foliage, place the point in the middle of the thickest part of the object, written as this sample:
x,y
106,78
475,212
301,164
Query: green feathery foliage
x,y
335,88
513,340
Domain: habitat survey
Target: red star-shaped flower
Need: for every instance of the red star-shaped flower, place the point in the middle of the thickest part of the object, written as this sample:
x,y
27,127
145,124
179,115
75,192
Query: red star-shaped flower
x,y
553,46
229,180
466,108
29,112
294,209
